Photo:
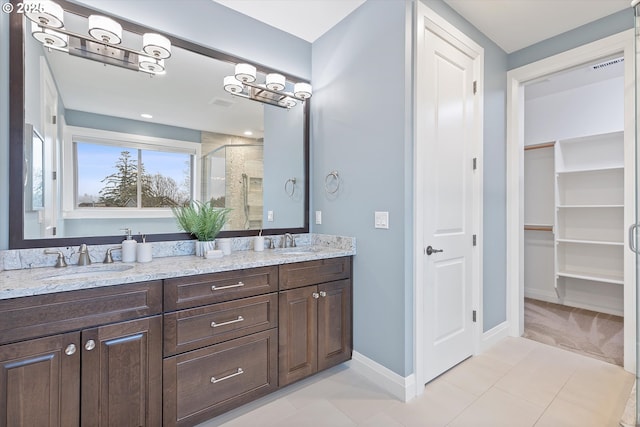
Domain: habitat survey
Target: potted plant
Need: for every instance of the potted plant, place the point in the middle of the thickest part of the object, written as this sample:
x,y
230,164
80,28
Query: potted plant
x,y
203,221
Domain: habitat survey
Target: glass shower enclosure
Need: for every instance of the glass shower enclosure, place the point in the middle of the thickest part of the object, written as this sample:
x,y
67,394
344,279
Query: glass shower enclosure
x,y
633,231
233,178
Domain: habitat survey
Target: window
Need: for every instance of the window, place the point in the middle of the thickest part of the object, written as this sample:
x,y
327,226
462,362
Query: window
x,y
126,177
119,172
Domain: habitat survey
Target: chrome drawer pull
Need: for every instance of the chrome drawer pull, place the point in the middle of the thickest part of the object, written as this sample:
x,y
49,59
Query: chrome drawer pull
x,y
315,295
216,325
237,285
323,294
238,372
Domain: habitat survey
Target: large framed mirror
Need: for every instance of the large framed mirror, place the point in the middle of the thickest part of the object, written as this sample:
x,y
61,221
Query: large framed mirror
x,y
114,148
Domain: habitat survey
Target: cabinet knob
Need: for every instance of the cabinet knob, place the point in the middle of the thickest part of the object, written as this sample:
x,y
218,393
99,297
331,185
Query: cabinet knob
x,y
71,349
90,345
315,295
323,294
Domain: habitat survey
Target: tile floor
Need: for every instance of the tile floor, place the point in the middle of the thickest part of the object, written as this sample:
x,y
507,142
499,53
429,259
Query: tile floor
x,y
516,383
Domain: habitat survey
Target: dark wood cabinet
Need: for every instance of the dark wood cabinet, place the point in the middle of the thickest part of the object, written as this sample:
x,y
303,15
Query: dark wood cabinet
x,y
298,334
171,353
40,382
206,382
315,321
221,343
122,374
101,374
334,323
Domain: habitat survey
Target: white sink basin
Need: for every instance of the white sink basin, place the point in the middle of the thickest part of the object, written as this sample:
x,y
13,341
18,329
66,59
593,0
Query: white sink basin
x,y
82,272
303,250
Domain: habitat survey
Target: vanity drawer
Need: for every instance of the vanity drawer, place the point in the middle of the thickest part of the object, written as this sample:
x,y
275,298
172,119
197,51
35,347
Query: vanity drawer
x,y
194,291
199,327
42,315
314,272
204,383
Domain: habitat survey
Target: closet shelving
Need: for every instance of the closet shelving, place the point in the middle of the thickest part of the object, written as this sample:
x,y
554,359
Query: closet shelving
x,y
589,198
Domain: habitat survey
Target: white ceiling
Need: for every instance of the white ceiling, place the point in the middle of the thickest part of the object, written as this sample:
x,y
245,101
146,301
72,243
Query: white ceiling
x,y
511,24
306,19
516,24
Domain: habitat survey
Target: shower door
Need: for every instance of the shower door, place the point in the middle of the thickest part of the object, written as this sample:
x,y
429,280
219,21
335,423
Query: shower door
x,y
633,231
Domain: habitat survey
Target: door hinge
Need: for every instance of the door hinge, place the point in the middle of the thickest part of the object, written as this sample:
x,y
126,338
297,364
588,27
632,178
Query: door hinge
x,y
475,240
53,120
475,87
475,163
474,317
54,231
54,175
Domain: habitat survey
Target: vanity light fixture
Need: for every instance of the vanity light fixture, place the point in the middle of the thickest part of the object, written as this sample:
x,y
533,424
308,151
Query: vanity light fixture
x,y
271,92
102,43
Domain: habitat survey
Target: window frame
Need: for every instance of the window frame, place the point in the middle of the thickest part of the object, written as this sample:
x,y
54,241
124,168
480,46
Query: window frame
x,y
69,173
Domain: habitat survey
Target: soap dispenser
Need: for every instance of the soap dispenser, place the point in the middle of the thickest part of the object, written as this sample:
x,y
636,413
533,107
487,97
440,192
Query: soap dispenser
x,y
128,247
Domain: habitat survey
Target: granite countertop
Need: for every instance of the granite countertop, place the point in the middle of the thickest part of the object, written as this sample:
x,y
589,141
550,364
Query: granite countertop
x,y
37,281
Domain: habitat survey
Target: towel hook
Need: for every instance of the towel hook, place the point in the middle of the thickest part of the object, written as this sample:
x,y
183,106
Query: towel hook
x,y
332,182
293,187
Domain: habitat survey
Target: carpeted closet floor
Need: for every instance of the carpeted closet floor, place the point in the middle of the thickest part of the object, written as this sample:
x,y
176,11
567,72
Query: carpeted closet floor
x,y
582,331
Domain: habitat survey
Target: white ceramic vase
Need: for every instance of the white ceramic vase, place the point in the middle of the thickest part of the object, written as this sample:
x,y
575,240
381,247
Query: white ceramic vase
x,y
203,246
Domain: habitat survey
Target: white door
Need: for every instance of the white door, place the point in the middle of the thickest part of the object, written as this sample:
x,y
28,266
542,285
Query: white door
x,y
49,216
446,97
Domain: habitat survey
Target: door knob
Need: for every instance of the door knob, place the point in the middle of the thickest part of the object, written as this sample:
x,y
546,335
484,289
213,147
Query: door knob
x,y
90,345
430,250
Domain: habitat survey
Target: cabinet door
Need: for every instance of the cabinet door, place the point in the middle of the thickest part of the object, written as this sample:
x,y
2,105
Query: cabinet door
x,y
298,310
334,323
40,382
122,374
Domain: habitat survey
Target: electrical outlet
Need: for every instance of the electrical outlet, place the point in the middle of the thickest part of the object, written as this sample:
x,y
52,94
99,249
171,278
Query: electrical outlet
x,y
318,217
270,216
381,220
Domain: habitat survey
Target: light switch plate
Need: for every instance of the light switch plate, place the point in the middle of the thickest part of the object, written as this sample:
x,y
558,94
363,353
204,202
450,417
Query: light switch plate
x,y
270,216
318,217
381,220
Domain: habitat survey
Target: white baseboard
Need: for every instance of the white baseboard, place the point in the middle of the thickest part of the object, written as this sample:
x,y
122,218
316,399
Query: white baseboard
x,y
493,335
403,388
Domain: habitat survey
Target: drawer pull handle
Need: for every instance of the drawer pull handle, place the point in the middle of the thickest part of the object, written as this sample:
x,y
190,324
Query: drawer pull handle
x,y
90,345
217,380
323,294
237,285
217,325
315,295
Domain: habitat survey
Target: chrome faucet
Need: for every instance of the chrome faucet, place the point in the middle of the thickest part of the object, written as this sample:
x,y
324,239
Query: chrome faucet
x,y
108,258
285,238
60,262
83,255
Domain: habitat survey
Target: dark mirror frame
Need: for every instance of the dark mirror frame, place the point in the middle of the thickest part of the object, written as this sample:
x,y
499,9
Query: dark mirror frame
x,y
17,128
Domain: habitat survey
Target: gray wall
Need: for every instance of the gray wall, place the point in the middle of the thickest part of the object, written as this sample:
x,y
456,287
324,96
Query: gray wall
x,y
587,33
361,127
283,159
136,127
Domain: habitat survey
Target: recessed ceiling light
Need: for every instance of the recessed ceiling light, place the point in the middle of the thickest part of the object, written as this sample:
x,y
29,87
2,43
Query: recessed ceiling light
x,y
248,133
146,116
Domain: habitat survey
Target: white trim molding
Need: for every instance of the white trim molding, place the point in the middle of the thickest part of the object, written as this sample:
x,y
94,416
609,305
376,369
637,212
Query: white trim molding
x,y
402,388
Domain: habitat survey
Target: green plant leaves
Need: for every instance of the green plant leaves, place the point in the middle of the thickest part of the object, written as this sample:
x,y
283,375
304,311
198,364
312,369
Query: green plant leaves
x,y
201,219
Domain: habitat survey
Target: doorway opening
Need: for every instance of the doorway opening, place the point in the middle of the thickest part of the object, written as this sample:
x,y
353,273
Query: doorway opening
x,y
574,209
586,230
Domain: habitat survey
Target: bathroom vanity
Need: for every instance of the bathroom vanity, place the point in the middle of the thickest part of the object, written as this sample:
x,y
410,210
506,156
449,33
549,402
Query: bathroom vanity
x,y
174,342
